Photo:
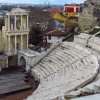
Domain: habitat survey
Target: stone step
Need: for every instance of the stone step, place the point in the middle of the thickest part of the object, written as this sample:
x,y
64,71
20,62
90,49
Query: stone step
x,y
14,87
12,82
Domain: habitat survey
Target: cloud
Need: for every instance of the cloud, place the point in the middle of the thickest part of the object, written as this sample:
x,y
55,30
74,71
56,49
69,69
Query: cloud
x,y
41,1
15,1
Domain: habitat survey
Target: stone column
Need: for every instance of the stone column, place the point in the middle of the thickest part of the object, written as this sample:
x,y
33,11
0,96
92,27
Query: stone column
x,y
15,44
15,23
27,41
9,48
8,22
21,42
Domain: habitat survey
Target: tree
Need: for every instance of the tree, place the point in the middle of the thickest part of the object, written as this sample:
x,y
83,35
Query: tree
x,y
35,36
70,25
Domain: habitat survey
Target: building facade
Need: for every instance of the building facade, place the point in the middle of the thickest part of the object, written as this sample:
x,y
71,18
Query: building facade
x,y
13,36
72,10
15,32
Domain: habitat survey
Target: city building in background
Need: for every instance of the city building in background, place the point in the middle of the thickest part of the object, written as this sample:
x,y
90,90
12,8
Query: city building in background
x,y
72,10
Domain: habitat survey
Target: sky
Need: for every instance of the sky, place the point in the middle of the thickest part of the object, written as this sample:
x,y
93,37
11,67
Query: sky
x,y
42,1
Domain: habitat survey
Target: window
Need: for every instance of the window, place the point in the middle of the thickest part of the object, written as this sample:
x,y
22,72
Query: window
x,y
70,9
77,9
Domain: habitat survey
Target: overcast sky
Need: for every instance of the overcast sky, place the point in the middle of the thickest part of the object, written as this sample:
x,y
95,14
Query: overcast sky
x,y
42,1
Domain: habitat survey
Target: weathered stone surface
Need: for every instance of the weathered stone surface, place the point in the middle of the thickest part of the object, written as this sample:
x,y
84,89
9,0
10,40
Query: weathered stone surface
x,y
93,87
94,43
91,97
67,67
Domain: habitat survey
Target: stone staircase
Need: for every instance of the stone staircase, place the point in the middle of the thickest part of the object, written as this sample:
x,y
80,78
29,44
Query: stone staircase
x,y
12,82
66,68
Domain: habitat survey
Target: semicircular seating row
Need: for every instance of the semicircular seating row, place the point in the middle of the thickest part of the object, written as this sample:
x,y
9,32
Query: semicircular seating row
x,y
65,68
94,42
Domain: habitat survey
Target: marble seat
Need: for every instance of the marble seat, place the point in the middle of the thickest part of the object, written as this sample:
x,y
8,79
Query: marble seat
x,y
67,67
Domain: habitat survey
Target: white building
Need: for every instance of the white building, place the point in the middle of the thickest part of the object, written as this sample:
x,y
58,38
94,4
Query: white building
x,y
16,30
14,35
